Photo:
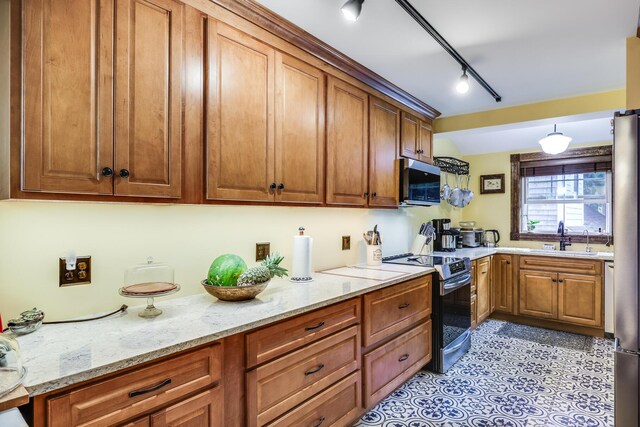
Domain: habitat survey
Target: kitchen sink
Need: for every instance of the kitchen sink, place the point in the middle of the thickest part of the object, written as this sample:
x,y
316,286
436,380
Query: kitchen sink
x,y
562,253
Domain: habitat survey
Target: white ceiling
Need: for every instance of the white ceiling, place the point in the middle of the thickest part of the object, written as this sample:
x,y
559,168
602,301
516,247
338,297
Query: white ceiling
x,y
527,50
525,136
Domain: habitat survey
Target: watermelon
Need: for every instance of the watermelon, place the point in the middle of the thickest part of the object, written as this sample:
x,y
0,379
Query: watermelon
x,y
225,270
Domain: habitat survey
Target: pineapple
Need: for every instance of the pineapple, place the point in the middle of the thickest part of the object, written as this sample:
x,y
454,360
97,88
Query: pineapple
x,y
269,268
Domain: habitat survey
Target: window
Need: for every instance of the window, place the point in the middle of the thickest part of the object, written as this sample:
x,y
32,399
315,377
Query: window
x,y
582,201
574,187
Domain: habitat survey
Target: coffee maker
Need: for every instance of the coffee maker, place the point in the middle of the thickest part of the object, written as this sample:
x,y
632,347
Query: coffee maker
x,y
445,240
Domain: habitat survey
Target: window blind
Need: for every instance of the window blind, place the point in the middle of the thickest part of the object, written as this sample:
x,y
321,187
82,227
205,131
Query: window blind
x,y
566,166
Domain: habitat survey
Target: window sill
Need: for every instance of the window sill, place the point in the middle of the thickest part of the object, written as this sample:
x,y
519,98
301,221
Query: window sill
x,y
575,238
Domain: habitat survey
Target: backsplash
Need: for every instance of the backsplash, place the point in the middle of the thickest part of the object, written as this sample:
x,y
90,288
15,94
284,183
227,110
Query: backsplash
x,y
33,235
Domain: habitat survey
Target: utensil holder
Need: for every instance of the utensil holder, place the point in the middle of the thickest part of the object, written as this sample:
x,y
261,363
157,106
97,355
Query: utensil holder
x,y
420,246
374,255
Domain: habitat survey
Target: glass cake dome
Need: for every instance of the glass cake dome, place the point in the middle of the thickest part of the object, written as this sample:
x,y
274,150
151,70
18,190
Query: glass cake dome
x,y
12,372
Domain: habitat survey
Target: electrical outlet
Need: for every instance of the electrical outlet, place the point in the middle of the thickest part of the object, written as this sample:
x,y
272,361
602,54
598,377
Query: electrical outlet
x,y
262,250
80,276
346,243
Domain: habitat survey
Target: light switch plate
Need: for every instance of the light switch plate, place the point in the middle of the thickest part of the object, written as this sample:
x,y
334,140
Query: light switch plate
x,y
262,250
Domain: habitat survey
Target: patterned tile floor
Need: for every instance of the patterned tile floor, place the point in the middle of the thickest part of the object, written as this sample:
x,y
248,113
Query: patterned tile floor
x,y
531,380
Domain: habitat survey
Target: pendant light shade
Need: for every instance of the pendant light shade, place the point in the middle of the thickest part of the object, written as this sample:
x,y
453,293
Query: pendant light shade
x,y
351,9
555,142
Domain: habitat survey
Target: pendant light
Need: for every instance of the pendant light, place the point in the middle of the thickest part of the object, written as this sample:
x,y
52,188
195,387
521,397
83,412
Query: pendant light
x,y
351,9
555,142
463,83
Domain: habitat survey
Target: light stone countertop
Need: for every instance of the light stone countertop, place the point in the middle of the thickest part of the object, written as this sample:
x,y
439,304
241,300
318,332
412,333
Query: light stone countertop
x,y
475,253
60,355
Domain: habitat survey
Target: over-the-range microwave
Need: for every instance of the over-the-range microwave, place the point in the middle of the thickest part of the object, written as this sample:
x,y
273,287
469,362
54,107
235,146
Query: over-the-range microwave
x,y
419,183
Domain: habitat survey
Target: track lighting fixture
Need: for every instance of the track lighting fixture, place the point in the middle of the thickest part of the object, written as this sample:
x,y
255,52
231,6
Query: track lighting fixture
x,y
351,9
463,83
555,142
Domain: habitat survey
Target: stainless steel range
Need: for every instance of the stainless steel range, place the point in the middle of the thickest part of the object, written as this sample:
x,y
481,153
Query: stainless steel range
x,y
451,317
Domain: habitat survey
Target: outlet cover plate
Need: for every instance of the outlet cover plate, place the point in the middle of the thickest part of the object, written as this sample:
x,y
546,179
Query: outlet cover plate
x,y
346,243
80,276
262,250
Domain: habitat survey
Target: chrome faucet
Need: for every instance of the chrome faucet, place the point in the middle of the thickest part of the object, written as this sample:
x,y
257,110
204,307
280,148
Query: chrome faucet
x,y
588,248
564,240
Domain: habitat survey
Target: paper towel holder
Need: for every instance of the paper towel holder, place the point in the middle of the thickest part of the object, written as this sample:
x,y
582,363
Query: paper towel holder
x,y
299,279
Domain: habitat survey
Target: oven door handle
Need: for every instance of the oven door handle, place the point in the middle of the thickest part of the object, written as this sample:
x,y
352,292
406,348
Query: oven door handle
x,y
457,346
462,280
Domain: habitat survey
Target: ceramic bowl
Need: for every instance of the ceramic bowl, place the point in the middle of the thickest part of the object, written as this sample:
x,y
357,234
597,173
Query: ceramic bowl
x,y
234,293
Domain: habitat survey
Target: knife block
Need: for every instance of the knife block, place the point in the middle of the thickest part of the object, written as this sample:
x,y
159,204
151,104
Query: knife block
x,y
420,246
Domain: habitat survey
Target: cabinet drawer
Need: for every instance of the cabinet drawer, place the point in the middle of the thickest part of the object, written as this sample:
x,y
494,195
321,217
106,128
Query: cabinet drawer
x,y
272,341
280,385
111,401
336,406
202,410
393,309
566,265
388,366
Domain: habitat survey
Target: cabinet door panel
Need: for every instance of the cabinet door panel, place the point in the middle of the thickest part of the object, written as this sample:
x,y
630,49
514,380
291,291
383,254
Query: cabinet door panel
x,y
538,294
426,142
483,289
503,283
580,299
68,103
149,74
347,144
240,131
409,137
384,136
300,143
202,410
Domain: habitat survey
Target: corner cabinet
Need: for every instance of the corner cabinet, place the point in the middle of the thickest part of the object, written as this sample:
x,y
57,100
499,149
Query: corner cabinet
x,y
503,267
347,144
417,138
484,289
77,137
265,122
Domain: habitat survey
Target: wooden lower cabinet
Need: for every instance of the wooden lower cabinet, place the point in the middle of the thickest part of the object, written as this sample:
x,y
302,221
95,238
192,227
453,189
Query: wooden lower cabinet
x,y
474,314
336,406
393,363
483,289
579,299
503,283
202,410
538,294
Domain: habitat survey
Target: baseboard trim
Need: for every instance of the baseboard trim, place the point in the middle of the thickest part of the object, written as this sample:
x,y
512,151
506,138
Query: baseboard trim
x,y
550,324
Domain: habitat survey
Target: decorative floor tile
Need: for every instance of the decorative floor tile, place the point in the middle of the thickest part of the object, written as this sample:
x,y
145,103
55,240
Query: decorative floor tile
x,y
513,376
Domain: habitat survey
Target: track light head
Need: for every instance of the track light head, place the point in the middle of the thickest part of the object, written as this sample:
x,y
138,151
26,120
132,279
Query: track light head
x,y
351,9
463,83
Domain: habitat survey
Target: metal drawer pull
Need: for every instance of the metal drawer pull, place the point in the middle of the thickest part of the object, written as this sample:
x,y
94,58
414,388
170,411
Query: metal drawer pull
x,y
313,371
405,305
319,423
403,357
311,328
149,390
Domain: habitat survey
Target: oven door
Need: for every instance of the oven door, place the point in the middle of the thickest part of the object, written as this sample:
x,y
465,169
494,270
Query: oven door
x,y
456,319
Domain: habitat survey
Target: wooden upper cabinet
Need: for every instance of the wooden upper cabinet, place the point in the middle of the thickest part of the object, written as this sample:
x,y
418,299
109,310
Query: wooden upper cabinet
x,y
240,117
67,66
538,294
347,144
416,138
384,138
300,131
580,299
148,88
503,282
483,289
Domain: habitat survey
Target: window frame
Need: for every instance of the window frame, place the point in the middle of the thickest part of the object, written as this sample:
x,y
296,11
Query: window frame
x,y
517,194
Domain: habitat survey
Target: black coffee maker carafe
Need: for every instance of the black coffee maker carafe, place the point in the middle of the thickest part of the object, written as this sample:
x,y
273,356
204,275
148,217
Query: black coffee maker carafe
x,y
445,240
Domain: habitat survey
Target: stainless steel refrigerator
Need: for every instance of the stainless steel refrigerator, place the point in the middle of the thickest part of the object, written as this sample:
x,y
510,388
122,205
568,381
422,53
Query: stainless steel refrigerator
x,y
625,231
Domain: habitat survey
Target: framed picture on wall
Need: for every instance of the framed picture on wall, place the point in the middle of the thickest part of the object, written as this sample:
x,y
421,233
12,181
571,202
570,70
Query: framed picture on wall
x,y
492,184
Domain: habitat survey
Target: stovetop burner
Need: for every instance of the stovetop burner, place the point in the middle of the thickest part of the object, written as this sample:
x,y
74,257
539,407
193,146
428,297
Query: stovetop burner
x,y
419,260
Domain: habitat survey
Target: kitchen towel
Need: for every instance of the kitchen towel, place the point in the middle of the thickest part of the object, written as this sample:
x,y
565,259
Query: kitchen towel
x,y
302,259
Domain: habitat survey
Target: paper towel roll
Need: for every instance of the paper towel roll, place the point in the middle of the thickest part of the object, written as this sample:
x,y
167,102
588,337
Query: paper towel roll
x,y
302,259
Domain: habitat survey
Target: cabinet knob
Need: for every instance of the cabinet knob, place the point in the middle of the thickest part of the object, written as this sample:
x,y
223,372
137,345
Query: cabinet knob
x,y
553,280
124,173
508,262
107,172
273,186
375,194
561,280
403,357
281,186
366,195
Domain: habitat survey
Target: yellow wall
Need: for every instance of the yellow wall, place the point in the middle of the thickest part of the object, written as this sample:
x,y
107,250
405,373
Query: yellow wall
x,y
633,73
493,211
